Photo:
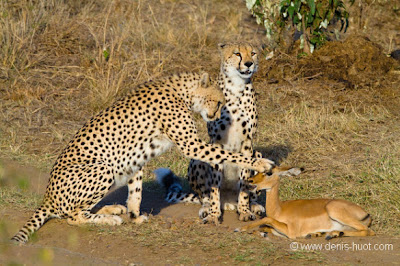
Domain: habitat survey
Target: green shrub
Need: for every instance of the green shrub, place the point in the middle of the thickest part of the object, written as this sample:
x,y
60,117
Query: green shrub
x,y
310,17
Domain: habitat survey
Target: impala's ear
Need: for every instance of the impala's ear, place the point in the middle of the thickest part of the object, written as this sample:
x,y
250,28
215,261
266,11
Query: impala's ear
x,y
205,80
286,171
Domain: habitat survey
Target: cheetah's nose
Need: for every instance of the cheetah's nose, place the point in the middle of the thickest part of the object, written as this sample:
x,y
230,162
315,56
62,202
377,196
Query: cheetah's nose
x,y
248,64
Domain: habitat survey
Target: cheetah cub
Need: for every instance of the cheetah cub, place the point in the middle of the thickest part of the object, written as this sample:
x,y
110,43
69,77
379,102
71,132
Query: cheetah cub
x,y
115,144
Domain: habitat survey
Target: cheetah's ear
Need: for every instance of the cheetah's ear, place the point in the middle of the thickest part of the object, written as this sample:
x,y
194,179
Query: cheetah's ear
x,y
205,80
221,46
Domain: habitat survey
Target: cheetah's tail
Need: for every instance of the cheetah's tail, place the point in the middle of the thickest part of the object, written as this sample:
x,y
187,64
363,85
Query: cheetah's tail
x,y
167,179
40,216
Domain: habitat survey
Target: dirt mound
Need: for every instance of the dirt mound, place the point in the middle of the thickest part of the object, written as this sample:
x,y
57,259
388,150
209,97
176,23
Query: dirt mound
x,y
357,62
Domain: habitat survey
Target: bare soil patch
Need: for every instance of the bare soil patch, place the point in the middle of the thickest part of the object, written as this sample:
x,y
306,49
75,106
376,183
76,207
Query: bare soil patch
x,y
357,62
173,235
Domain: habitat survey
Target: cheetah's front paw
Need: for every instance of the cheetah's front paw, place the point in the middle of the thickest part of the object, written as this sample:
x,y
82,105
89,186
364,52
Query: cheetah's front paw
x,y
141,219
111,220
212,219
204,211
263,165
257,209
248,216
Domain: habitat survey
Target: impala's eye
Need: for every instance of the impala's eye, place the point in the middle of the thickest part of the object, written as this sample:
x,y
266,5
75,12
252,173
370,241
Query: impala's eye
x,y
237,54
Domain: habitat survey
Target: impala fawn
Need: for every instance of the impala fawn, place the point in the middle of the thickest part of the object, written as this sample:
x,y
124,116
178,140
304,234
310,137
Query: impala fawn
x,y
305,218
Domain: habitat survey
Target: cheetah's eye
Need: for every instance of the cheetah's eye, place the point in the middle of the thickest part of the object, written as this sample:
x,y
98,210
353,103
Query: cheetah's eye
x,y
219,105
237,54
253,53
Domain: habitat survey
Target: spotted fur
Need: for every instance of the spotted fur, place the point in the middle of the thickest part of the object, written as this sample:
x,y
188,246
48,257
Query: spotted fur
x,y
234,131
115,144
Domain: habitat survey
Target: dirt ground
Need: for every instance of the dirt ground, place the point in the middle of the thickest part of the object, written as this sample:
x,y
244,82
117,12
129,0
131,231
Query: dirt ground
x,y
167,232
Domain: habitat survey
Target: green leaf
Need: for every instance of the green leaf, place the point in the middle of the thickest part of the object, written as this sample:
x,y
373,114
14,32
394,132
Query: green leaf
x,y
285,2
296,20
258,14
316,23
347,25
291,11
280,23
329,15
106,54
314,40
311,4
320,10
310,18
335,3
297,5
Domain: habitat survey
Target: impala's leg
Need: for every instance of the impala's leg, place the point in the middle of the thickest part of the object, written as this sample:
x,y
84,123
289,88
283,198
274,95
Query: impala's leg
x,y
368,232
276,225
334,234
317,234
252,225
349,215
266,229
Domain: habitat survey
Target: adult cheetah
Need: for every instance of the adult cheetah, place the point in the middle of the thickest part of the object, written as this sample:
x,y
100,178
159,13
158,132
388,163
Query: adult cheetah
x,y
115,144
234,131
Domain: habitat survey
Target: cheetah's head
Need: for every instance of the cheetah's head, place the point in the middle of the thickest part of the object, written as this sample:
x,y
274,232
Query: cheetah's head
x,y
239,59
208,99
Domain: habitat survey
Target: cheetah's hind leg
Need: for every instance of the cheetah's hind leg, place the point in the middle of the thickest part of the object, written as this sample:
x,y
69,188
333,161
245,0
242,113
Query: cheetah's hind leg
x,y
116,209
84,217
93,180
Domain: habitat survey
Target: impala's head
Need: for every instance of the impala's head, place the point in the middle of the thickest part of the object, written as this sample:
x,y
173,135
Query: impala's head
x,y
264,181
267,182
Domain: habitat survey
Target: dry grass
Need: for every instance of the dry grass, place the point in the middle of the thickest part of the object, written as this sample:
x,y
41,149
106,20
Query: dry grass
x,y
61,61
62,56
347,141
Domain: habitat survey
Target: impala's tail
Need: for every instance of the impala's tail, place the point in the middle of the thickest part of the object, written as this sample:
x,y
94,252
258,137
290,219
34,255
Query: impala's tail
x,y
167,179
40,216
